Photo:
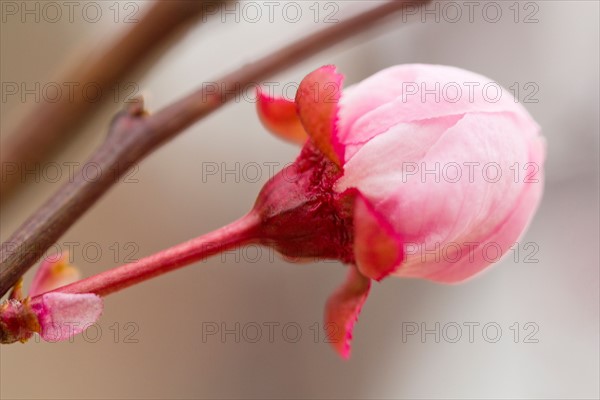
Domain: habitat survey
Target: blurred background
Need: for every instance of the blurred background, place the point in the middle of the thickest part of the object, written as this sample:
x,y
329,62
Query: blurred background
x,y
195,333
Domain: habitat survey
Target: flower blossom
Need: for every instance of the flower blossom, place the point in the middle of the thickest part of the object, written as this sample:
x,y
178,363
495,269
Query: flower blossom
x,y
55,316
384,145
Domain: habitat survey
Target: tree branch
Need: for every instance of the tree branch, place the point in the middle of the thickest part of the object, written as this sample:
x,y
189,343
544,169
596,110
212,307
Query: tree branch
x,y
49,123
133,135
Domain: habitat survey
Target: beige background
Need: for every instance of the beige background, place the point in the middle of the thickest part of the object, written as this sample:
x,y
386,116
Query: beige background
x,y
170,203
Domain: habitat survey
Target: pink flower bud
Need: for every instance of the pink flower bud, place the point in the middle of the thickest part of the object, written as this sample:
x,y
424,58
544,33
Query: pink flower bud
x,y
456,171
416,171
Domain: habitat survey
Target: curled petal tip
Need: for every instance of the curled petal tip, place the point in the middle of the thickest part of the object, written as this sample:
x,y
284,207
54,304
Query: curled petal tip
x,y
279,116
342,310
317,101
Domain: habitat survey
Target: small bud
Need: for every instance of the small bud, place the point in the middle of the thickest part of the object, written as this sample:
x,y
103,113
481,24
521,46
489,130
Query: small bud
x,y
55,316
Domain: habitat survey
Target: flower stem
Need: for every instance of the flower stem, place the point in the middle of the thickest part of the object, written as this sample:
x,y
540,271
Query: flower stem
x,y
240,232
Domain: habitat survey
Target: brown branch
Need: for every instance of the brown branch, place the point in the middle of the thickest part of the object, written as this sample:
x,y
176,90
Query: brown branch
x,y
133,135
49,123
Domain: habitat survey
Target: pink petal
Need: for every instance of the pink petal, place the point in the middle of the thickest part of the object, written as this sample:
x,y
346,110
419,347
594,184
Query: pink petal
x,y
63,315
503,236
431,212
378,249
52,273
279,116
317,101
384,100
342,309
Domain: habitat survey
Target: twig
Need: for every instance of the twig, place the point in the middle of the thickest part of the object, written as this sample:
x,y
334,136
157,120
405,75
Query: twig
x,y
49,123
236,234
134,135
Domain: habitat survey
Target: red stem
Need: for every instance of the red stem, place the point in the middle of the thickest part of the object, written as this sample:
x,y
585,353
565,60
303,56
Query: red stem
x,y
230,236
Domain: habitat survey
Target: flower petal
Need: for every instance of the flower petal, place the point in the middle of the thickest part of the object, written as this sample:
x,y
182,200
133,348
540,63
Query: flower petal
x,y
317,101
378,249
418,92
53,273
442,219
342,309
504,235
63,315
279,116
